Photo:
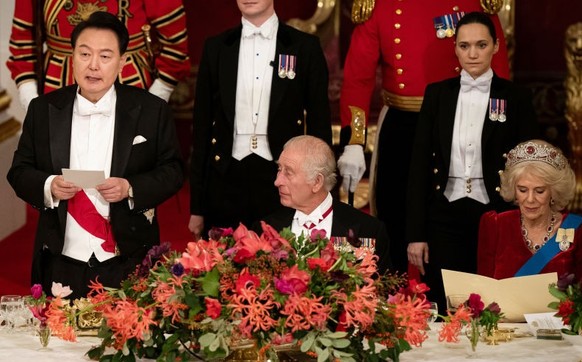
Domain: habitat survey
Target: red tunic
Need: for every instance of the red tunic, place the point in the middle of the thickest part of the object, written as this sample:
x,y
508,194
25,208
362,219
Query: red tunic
x,y
502,250
167,17
400,37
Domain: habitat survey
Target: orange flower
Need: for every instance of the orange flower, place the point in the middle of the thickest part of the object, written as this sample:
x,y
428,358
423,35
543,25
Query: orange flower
x,y
164,294
360,306
248,244
271,236
127,321
411,313
58,320
254,310
450,330
304,313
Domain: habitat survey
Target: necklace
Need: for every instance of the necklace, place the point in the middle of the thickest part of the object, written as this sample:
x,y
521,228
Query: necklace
x,y
530,245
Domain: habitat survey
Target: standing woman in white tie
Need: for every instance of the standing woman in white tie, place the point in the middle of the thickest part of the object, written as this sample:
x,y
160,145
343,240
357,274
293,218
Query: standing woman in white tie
x,y
466,125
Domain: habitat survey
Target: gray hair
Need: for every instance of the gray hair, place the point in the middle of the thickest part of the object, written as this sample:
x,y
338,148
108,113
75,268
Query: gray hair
x,y
319,158
562,182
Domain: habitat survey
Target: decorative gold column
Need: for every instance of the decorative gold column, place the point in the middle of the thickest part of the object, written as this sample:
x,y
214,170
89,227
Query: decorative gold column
x,y
573,86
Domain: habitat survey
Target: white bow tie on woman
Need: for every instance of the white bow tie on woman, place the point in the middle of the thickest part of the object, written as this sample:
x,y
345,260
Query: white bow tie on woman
x,y
481,84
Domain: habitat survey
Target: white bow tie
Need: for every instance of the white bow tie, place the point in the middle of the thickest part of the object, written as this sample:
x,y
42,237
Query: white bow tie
x,y
482,85
249,31
88,108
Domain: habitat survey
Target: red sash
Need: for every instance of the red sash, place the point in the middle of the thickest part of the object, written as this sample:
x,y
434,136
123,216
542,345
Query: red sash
x,y
86,215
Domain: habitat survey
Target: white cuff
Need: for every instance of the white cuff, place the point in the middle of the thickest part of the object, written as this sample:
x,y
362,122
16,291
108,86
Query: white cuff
x,y
49,201
26,92
161,90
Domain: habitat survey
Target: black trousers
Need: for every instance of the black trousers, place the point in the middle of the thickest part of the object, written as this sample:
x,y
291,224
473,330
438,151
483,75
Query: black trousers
x,y
245,194
78,274
394,154
452,236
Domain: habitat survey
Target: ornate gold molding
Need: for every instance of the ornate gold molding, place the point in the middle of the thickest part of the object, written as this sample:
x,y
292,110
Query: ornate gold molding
x,y
4,100
9,129
322,13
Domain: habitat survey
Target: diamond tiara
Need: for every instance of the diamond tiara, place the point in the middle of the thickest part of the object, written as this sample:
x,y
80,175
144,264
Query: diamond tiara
x,y
531,151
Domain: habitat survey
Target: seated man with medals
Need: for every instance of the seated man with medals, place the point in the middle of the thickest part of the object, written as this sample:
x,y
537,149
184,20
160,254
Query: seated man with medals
x,y
306,175
539,237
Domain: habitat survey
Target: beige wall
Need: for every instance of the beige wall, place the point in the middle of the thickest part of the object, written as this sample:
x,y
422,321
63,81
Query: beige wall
x,y
12,209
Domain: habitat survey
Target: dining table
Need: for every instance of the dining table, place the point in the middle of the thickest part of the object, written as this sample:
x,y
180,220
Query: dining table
x,y
26,347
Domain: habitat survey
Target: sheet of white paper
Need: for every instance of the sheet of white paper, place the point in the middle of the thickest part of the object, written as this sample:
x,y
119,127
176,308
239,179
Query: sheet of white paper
x,y
536,321
86,179
516,296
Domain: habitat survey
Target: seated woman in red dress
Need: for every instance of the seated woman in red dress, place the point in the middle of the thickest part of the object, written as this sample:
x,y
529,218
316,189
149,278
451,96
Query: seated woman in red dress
x,y
539,237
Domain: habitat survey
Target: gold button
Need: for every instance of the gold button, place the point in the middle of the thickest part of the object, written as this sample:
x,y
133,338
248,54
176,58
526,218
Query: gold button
x,y
500,172
299,122
398,11
399,71
397,26
397,40
435,171
455,8
438,187
457,69
214,141
498,189
217,158
401,85
398,56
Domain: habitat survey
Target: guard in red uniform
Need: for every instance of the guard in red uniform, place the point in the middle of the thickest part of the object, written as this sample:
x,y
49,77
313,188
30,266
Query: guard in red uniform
x,y
412,41
166,18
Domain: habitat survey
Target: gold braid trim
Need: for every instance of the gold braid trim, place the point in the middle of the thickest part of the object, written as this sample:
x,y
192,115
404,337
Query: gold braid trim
x,y
362,10
358,126
491,6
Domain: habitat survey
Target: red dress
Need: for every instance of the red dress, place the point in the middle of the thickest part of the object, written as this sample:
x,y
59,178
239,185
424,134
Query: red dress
x,y
167,17
502,250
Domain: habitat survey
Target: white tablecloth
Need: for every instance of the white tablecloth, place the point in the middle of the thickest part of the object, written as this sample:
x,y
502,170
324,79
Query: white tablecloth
x,y
25,348
517,350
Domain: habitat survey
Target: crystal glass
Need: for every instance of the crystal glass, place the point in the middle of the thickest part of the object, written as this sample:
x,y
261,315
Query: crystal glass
x,y
11,307
454,300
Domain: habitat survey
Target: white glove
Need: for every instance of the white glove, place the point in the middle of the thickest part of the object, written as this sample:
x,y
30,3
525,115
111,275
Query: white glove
x,y
352,166
161,90
27,92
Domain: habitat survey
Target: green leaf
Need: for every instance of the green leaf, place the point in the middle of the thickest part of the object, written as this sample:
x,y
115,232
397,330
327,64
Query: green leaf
x,y
341,343
211,283
325,341
323,356
307,342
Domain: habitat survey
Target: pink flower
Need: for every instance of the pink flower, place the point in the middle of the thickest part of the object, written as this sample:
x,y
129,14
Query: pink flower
x,y
271,236
293,281
59,291
201,256
36,291
317,234
213,307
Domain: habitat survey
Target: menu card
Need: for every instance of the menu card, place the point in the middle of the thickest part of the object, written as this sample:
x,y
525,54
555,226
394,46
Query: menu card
x,y
516,296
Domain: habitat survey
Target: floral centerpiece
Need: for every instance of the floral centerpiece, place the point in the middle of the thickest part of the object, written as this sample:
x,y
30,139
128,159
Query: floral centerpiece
x,y
475,315
239,288
569,304
39,304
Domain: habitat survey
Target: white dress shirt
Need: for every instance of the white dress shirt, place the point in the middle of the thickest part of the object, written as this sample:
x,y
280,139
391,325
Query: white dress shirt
x,y
466,169
92,133
253,88
302,223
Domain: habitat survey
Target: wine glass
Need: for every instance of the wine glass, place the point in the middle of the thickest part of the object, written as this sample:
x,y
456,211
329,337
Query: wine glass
x,y
434,311
455,300
11,305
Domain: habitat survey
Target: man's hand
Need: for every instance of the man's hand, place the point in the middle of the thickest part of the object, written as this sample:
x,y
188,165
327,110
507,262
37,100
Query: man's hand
x,y
196,226
63,190
418,255
114,189
352,166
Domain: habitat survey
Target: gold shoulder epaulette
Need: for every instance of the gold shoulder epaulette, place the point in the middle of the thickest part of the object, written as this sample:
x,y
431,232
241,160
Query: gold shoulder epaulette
x,y
362,10
489,6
